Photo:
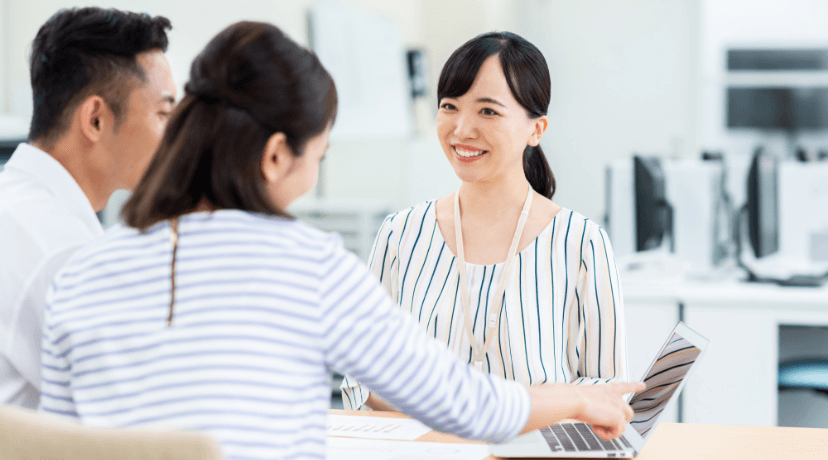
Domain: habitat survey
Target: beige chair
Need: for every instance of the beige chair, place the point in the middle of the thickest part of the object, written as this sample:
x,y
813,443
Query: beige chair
x,y
28,435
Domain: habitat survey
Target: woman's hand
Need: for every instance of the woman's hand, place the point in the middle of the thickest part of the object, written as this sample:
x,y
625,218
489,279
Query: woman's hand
x,y
601,406
605,409
377,403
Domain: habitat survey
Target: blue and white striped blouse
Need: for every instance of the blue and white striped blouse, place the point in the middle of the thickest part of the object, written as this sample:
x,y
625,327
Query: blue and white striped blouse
x,y
264,308
564,316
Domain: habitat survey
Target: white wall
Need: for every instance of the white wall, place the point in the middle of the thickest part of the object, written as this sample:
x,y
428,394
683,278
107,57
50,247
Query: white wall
x,y
404,172
193,26
623,81
622,73
356,170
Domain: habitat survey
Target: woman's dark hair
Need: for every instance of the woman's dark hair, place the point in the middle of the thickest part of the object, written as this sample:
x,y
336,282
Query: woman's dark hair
x,y
250,82
79,52
528,78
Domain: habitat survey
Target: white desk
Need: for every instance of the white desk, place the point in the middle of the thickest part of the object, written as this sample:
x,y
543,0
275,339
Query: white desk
x,y
736,381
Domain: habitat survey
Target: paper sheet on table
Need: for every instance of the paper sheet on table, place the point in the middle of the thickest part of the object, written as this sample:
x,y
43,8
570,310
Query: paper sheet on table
x,y
353,426
372,449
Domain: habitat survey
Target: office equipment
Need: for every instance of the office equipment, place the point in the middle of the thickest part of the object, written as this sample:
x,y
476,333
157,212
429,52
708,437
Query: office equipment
x,y
762,206
665,379
810,373
619,215
763,222
693,209
777,89
778,108
653,214
775,59
375,428
417,73
803,211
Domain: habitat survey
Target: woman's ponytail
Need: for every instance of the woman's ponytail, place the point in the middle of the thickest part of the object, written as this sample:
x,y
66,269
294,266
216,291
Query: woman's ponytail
x,y
538,172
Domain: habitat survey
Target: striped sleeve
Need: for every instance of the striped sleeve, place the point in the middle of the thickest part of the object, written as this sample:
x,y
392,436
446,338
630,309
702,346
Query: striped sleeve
x,y
384,264
602,348
368,337
55,391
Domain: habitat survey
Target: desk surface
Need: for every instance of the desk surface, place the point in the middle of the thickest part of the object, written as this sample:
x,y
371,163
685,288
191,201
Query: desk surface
x,y
676,441
725,291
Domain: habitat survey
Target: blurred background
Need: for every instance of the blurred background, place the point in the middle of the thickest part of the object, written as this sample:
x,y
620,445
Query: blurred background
x,y
695,131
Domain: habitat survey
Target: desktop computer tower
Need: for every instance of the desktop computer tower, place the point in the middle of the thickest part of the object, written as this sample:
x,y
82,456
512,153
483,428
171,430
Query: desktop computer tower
x,y
700,224
803,212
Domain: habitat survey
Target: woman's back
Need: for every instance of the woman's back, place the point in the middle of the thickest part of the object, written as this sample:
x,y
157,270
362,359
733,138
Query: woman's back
x,y
264,307
244,355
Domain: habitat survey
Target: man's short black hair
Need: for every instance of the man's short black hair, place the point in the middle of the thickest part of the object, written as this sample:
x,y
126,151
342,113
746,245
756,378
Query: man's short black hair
x,y
84,51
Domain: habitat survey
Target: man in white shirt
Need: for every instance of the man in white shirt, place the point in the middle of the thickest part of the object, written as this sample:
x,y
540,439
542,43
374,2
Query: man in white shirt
x,y
103,92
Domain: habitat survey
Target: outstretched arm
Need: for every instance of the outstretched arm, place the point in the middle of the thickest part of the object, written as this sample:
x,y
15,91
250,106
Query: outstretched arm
x,y
366,335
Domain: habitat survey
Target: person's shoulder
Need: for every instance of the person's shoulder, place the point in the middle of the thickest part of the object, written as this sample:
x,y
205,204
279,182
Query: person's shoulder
x,y
581,226
17,193
30,204
403,220
576,219
119,242
272,231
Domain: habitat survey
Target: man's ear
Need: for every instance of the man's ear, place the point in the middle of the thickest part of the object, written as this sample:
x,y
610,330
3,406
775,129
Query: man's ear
x,y
95,118
277,158
539,125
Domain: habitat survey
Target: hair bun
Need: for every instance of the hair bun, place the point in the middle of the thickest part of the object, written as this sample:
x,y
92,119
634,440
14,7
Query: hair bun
x,y
204,88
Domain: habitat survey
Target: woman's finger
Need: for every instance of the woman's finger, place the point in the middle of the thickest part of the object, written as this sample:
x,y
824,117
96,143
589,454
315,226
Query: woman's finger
x,y
608,433
628,412
624,388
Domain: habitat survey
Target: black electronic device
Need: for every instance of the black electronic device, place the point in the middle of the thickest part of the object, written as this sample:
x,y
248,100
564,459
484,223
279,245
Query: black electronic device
x,y
417,73
653,214
763,205
783,108
762,213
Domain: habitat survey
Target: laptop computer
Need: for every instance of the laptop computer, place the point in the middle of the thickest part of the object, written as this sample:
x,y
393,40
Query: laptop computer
x,y
665,378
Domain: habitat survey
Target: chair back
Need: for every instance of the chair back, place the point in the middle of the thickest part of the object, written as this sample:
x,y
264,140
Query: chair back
x,y
25,434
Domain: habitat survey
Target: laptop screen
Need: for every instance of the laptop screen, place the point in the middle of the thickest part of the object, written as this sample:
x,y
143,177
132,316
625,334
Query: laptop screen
x,y
663,379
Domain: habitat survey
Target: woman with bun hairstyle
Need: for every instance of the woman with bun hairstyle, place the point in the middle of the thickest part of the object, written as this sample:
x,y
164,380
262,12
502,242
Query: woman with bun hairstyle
x,y
514,284
212,309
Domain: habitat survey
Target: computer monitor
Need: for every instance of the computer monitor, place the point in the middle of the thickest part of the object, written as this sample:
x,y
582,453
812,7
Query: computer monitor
x,y
653,214
762,204
785,109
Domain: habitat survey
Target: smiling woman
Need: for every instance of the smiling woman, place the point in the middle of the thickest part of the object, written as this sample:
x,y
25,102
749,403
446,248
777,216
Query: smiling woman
x,y
520,287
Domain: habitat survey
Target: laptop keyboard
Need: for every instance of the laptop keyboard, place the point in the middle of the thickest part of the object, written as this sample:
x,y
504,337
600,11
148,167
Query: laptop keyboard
x,y
579,437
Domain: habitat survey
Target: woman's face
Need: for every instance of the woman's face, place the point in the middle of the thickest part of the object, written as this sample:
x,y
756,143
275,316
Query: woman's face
x,y
485,131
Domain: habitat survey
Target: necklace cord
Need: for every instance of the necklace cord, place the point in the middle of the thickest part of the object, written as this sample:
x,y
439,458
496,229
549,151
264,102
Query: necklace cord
x,y
174,241
493,321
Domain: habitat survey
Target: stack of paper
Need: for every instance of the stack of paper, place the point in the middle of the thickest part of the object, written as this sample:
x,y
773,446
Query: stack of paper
x,y
354,426
364,449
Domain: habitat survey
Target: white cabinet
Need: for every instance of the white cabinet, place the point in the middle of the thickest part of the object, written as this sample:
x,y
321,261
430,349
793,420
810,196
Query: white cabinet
x,y
735,383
